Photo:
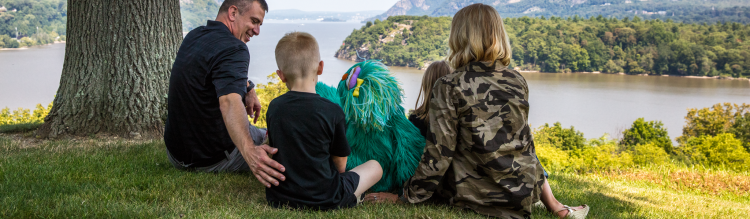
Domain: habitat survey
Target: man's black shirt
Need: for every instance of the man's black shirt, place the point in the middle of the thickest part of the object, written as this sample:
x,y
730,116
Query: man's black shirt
x,y
211,63
307,129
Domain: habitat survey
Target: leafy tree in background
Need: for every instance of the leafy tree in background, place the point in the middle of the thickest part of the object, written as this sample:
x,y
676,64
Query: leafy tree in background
x,y
647,132
559,137
32,17
196,12
266,93
741,130
718,119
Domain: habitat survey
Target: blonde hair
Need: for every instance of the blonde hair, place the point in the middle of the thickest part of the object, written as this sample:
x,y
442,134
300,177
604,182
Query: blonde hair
x,y
297,55
435,71
478,34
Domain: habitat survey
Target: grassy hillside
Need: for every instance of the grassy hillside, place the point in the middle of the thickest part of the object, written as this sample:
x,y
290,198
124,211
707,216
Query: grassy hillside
x,y
107,177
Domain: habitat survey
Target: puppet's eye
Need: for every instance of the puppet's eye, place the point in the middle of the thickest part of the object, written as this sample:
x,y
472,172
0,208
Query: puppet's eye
x,y
351,82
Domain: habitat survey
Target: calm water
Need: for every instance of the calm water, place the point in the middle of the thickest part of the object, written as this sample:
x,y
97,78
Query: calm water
x,y
594,103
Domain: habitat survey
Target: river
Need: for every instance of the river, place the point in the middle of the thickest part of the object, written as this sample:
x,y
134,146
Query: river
x,y
594,103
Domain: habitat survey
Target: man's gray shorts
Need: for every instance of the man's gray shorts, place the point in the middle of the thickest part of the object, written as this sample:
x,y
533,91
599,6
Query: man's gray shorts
x,y
234,161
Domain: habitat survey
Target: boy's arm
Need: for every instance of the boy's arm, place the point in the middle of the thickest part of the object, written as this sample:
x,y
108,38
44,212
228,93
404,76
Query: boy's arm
x,y
340,163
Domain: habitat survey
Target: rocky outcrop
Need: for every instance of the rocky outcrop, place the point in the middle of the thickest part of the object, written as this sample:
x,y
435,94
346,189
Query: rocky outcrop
x,y
353,53
409,7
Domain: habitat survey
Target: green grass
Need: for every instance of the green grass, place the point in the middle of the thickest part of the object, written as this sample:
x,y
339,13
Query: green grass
x,y
19,128
96,178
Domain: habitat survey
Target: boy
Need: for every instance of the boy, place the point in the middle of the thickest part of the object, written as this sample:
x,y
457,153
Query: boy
x,y
310,133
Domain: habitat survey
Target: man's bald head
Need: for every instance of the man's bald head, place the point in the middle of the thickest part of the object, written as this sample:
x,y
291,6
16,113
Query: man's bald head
x,y
242,5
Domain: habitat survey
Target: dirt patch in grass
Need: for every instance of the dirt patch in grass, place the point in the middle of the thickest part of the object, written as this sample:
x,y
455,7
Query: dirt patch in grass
x,y
27,141
714,183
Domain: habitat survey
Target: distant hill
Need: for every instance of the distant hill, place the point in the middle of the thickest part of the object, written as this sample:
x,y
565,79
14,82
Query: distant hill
x,y
597,44
687,10
196,12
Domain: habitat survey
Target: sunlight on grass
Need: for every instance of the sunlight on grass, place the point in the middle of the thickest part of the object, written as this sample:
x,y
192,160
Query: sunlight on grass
x,y
123,178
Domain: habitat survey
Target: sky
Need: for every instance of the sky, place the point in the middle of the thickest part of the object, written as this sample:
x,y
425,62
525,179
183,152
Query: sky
x,y
331,5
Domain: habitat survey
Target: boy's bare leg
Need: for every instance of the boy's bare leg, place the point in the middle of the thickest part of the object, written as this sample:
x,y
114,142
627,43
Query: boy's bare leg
x,y
369,173
551,202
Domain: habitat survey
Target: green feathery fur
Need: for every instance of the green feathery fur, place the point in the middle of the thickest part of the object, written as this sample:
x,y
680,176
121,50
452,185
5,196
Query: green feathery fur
x,y
327,92
376,126
379,96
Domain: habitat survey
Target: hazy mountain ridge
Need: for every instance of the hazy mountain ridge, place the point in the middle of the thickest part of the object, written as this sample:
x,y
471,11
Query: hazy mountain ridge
x,y
293,14
564,8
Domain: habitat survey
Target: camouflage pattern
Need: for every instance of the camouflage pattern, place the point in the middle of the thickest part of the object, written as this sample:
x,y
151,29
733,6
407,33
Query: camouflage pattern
x,y
479,153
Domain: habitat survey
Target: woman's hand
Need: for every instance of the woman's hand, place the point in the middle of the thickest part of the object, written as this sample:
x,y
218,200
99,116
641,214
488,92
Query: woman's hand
x,y
382,197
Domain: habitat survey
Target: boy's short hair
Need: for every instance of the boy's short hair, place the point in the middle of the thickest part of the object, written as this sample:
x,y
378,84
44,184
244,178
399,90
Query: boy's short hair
x,y
297,55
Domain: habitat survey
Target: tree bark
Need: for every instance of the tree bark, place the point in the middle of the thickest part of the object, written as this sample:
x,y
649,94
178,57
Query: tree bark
x,y
118,60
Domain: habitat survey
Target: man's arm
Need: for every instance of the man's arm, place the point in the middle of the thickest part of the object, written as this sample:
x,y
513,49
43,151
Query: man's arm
x,y
252,103
235,117
340,163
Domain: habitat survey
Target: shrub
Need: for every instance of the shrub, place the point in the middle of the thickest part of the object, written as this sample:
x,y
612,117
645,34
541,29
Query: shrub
x,y
557,136
605,157
266,93
26,41
22,115
649,154
722,151
22,119
643,132
555,159
741,130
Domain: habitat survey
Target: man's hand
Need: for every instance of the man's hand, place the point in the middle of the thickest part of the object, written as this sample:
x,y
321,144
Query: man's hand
x,y
263,167
252,105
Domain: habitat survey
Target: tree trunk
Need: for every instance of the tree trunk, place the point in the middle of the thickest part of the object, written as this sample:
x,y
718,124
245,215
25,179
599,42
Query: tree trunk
x,y
118,59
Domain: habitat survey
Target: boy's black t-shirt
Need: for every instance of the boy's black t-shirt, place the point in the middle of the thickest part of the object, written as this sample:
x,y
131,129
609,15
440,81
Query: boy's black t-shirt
x,y
307,129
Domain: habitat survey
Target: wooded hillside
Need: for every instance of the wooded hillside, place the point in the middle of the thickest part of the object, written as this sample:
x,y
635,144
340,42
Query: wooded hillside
x,y
633,46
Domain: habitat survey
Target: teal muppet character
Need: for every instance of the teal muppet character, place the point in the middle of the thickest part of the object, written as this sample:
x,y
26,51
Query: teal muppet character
x,y
377,128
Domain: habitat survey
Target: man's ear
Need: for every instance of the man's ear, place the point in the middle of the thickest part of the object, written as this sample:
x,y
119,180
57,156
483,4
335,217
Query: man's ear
x,y
320,68
281,75
232,13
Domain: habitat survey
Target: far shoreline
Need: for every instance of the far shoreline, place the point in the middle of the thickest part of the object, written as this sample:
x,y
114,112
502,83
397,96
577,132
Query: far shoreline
x,y
621,73
29,47
595,72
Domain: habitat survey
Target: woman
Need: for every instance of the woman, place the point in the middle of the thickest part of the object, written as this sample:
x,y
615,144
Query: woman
x,y
419,116
479,152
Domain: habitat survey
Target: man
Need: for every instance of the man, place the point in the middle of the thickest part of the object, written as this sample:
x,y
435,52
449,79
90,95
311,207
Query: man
x,y
207,128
